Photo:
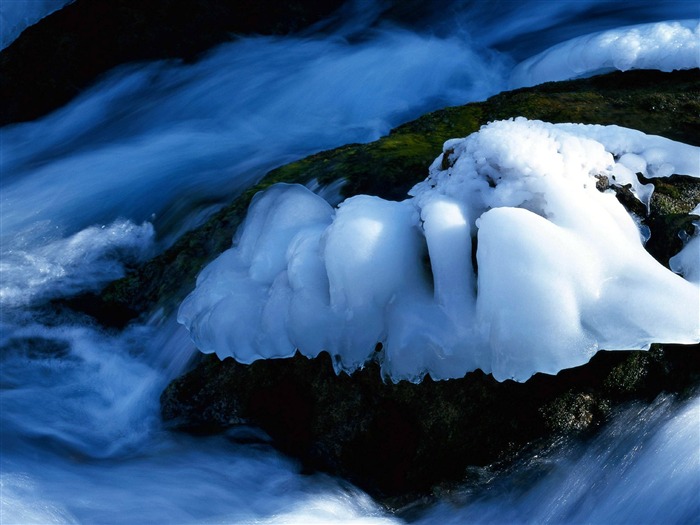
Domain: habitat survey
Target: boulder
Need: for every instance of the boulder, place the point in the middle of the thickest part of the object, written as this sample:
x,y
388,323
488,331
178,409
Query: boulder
x,y
390,166
404,439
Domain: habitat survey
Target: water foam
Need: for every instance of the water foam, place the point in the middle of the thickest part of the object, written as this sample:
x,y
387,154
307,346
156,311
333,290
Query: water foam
x,y
39,264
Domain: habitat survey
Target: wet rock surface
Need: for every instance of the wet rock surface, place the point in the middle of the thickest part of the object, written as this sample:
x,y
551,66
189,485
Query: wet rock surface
x,y
405,438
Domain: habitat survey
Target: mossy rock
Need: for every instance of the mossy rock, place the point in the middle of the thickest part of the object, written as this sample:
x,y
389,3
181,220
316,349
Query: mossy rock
x,y
669,218
391,165
399,439
575,412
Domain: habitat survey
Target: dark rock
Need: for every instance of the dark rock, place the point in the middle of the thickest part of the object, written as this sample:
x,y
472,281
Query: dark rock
x,y
394,439
629,200
109,314
575,412
669,220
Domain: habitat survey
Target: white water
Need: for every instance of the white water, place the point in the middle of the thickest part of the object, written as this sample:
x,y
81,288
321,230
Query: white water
x,y
17,15
163,144
648,455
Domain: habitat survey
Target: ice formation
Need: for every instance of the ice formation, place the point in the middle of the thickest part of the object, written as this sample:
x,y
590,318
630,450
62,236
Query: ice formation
x,y
507,258
687,261
663,45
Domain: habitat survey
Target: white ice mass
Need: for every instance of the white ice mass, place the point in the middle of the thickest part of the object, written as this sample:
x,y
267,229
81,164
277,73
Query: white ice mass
x,y
559,269
663,45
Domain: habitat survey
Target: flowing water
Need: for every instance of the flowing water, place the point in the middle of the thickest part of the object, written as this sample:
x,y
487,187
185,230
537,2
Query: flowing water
x,y
149,152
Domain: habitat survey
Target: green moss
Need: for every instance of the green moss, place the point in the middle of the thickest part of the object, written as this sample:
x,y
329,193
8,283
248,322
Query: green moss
x,y
575,412
390,166
650,101
675,195
629,377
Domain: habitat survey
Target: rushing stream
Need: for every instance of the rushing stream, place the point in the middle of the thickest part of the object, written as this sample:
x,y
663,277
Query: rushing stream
x,y
150,151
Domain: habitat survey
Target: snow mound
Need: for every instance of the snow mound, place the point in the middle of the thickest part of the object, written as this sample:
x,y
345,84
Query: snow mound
x,y
507,258
664,45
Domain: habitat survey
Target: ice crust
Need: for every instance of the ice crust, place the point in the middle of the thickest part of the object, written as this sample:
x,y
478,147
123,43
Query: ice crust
x,y
560,271
662,45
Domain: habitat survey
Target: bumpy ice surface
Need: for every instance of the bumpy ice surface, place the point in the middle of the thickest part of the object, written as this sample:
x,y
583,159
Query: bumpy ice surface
x,y
664,45
506,258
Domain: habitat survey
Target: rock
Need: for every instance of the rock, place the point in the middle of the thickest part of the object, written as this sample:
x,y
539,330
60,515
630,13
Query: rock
x,y
390,166
404,438
575,412
668,219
